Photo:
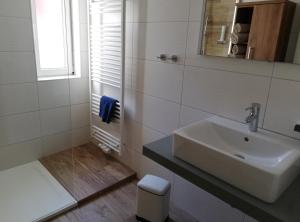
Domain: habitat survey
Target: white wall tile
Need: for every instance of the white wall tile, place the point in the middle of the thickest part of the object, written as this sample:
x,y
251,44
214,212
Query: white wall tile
x,y
153,39
55,143
202,205
79,89
55,120
83,37
16,34
137,135
157,10
80,115
189,115
128,53
129,10
196,7
128,158
155,113
147,166
80,136
15,8
193,43
128,72
158,79
18,128
20,93
18,98
20,153
223,93
283,110
81,65
84,63
160,114
133,105
17,67
129,39
287,71
194,58
53,93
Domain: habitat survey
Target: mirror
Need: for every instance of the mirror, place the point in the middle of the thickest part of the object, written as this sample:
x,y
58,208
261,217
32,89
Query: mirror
x,y
254,30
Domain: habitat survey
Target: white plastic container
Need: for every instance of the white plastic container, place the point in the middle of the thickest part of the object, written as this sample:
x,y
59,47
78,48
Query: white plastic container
x,y
153,199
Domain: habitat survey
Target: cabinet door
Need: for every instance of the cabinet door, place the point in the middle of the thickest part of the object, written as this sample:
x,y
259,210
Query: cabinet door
x,y
265,30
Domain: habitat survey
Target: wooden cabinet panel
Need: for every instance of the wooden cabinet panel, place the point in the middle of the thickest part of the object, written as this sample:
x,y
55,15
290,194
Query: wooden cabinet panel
x,y
265,31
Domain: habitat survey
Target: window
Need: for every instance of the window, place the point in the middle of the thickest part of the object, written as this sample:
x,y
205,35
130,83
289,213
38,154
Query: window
x,y
52,38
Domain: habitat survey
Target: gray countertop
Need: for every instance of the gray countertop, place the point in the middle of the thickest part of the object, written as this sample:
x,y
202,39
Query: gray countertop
x,y
286,208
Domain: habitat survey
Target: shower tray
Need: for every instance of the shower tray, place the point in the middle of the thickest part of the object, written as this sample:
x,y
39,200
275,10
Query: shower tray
x,y
30,193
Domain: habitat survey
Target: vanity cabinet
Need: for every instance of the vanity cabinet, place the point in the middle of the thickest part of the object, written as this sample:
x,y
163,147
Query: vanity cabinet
x,y
270,25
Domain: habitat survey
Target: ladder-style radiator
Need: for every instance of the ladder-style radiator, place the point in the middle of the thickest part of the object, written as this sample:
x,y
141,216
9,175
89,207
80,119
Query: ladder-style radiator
x,y
106,68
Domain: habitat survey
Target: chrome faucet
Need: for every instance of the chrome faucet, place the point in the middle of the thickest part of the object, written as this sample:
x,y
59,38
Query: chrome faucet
x,y
253,117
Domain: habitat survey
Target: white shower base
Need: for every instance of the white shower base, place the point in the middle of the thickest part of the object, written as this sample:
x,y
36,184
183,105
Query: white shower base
x,y
30,193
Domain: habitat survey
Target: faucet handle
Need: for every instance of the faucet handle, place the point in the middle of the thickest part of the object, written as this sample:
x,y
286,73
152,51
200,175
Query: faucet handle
x,y
250,108
253,107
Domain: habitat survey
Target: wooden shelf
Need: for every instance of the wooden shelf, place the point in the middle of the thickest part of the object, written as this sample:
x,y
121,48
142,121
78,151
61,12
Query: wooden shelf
x,y
251,4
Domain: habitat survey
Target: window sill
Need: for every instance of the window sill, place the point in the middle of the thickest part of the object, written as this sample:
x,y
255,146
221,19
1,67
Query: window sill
x,y
48,78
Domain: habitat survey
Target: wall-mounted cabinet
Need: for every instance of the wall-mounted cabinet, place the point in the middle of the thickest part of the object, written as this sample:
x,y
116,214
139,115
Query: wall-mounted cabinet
x,y
258,30
270,25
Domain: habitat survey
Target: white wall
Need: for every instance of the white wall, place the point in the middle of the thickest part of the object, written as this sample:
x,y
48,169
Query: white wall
x,y
161,97
37,118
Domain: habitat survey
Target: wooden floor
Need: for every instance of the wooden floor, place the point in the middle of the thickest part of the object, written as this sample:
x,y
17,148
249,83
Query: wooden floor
x,y
86,172
117,205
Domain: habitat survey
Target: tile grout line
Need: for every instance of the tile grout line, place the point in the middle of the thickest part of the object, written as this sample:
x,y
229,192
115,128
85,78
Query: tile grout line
x,y
39,113
70,109
268,96
184,66
132,43
42,136
40,81
207,68
42,109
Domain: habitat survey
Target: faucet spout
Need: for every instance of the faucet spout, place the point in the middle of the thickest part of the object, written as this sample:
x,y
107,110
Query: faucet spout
x,y
253,118
249,118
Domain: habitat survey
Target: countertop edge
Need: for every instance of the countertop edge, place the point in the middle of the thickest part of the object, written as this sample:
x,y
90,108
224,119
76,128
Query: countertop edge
x,y
189,173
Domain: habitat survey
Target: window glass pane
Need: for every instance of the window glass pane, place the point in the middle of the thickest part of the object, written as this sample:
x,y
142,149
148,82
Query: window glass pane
x,y
51,34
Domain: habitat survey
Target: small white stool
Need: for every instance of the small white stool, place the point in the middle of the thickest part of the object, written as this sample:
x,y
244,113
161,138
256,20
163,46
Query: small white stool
x,y
153,199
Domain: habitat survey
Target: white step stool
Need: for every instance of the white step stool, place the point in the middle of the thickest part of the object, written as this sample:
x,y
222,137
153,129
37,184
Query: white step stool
x,y
153,199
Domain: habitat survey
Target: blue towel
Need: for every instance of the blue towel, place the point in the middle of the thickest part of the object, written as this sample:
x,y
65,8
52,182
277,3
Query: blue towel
x,y
107,108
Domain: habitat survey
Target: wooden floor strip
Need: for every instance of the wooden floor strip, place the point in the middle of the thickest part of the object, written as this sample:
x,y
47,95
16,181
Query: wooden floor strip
x,y
119,205
86,172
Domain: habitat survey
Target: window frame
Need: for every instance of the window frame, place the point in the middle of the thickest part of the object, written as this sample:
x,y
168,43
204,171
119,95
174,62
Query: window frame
x,y
68,34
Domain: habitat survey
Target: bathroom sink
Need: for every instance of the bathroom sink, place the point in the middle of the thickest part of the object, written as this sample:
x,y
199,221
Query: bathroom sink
x,y
262,164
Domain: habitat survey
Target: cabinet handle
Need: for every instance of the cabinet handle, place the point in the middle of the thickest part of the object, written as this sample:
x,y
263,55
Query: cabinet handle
x,y
250,52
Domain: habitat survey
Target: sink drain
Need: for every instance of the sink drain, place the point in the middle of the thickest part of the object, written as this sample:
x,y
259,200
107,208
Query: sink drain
x,y
239,156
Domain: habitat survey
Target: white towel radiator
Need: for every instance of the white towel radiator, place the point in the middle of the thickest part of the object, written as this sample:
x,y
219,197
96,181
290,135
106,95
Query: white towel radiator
x,y
106,68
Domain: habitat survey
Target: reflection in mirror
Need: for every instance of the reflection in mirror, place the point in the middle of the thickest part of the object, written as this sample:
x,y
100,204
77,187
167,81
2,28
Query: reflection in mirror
x,y
254,30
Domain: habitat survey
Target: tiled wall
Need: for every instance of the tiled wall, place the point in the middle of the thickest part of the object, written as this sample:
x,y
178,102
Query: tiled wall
x,y
37,118
161,97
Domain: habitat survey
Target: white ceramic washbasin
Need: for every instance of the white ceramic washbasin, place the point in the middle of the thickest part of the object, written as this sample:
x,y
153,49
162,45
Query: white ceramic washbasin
x,y
263,164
